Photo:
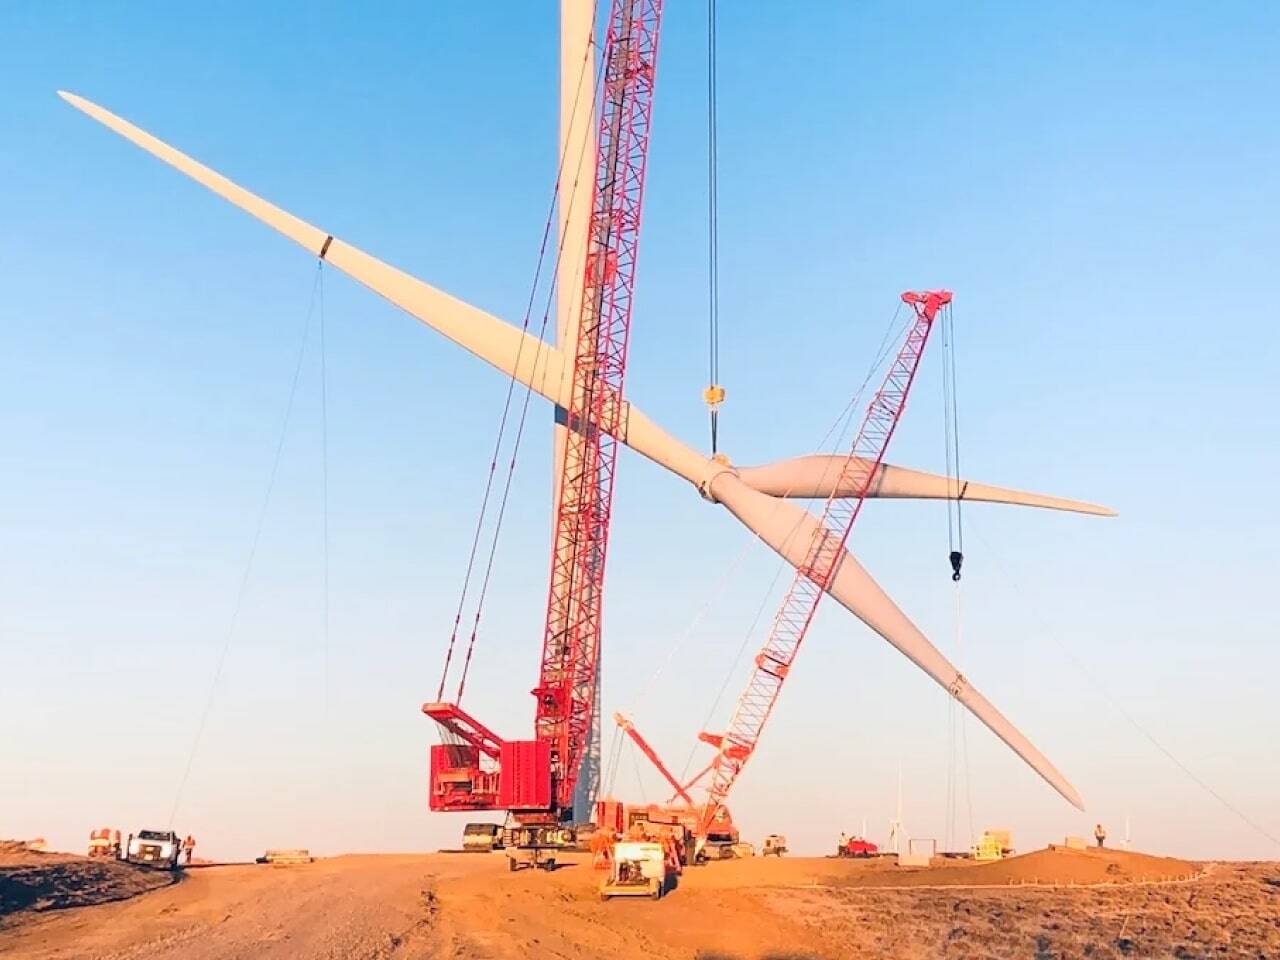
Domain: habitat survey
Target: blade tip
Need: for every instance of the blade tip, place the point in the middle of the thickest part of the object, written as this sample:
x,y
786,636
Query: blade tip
x,y
80,103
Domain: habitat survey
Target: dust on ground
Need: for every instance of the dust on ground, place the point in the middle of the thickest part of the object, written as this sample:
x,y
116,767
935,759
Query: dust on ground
x,y
469,907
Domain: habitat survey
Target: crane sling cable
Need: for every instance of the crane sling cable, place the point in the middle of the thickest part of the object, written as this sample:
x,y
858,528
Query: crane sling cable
x,y
951,436
259,524
796,613
552,293
957,728
506,407
324,480
714,394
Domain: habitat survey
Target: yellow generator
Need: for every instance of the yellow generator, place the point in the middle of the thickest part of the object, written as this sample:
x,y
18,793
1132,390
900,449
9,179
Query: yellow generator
x,y
993,845
987,848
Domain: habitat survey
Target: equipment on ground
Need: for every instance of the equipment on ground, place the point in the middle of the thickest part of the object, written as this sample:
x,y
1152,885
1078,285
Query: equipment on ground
x,y
919,853
993,845
640,868
987,848
775,844
858,847
481,837
104,842
158,849
286,858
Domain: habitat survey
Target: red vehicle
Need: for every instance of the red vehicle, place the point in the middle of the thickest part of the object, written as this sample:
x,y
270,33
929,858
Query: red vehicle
x,y
857,847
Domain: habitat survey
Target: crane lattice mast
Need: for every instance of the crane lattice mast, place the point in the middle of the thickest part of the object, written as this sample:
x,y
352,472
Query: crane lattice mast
x,y
535,779
857,472
571,644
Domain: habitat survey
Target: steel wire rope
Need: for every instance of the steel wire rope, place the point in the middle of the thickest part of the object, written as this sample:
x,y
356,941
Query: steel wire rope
x,y
635,762
1111,701
951,443
324,481
511,385
957,721
713,223
611,765
528,393
241,590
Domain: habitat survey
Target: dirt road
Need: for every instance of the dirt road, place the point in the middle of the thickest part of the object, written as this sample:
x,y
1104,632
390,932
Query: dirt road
x,y
470,907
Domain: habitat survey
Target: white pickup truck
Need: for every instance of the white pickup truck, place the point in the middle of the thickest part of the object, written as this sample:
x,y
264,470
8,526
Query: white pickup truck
x,y
155,848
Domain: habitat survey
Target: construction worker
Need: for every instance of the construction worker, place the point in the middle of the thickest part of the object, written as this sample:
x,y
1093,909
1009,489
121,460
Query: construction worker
x,y
115,843
602,842
1100,835
670,852
127,844
844,844
188,847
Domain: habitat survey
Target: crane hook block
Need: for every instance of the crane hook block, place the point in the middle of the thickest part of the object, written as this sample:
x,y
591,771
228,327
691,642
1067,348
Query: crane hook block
x,y
713,395
957,558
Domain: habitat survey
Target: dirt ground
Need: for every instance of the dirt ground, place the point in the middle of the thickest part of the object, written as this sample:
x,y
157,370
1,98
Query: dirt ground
x,y
32,881
469,907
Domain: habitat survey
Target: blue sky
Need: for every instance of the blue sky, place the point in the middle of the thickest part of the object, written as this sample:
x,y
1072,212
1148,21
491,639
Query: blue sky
x,y
1097,182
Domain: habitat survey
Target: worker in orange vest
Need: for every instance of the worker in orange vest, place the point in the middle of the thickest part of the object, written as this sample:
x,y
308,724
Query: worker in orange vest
x,y
670,851
188,847
602,849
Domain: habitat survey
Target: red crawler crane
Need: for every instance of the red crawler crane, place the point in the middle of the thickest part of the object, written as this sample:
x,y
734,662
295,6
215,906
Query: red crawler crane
x,y
534,779
860,467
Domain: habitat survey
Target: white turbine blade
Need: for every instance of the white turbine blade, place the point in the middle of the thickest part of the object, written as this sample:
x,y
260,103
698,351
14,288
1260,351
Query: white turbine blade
x,y
789,529
813,477
517,354
541,366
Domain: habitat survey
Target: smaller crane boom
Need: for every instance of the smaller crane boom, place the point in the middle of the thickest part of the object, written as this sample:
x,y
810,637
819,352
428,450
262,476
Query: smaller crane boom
x,y
629,728
859,469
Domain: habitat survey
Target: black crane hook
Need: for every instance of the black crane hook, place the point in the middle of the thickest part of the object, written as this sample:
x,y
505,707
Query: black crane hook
x,y
957,558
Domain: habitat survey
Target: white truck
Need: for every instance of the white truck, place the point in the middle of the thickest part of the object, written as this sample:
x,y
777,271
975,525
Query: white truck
x,y
155,848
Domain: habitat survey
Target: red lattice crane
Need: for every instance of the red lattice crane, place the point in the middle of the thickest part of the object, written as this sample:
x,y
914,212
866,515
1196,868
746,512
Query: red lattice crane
x,y
534,779
859,468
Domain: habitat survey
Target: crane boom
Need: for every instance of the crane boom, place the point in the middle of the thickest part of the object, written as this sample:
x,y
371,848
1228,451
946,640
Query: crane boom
x,y
857,472
571,643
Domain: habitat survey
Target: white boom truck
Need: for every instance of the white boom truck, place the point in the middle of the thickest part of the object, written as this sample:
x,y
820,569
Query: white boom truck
x,y
155,848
